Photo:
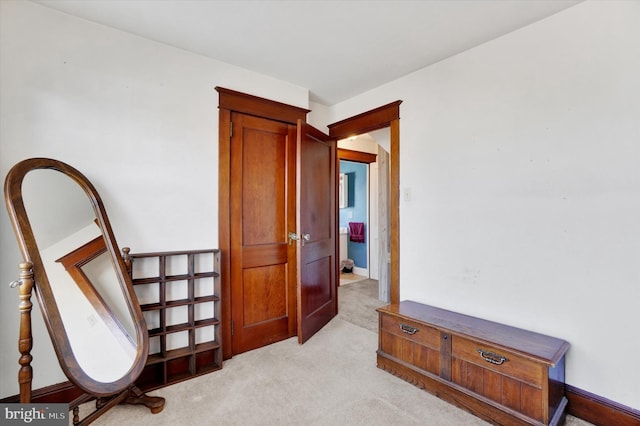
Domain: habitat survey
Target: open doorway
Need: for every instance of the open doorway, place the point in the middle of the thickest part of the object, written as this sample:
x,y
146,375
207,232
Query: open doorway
x,y
385,118
363,210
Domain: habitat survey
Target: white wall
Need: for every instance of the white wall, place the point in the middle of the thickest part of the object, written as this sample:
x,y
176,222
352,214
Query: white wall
x,y
138,118
523,160
319,117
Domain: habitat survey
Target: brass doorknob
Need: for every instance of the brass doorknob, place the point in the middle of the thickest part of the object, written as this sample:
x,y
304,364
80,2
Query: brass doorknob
x,y
293,237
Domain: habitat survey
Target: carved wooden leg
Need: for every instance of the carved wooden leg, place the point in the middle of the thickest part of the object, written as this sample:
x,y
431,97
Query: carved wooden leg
x,y
25,341
137,397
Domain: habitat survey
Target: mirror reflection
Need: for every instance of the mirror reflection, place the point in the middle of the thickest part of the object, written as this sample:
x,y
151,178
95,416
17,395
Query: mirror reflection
x,y
90,298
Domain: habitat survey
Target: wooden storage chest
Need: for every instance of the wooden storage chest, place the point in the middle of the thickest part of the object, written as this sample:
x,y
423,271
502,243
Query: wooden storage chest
x,y
502,374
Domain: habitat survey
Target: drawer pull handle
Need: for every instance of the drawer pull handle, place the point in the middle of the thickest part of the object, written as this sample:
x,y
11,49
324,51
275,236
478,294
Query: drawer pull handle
x,y
491,357
408,329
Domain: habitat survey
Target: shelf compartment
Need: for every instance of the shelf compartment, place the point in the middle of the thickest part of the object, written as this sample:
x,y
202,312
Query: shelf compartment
x,y
181,302
173,278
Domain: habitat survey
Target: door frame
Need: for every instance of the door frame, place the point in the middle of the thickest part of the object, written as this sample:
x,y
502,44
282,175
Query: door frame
x,y
233,101
379,118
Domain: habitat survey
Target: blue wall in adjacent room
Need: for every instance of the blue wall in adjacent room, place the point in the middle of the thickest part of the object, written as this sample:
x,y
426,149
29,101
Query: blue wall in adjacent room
x,y
357,208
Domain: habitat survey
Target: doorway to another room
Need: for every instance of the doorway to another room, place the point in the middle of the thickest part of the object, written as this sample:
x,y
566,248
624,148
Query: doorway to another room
x,y
384,120
355,226
363,216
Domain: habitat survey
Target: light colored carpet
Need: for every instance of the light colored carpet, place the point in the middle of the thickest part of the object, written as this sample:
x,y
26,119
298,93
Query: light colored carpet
x,y
358,302
330,380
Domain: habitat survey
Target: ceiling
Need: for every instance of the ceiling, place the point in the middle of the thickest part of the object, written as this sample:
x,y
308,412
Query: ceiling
x,y
336,49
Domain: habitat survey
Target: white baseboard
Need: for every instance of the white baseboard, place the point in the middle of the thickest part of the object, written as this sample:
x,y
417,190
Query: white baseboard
x,y
361,271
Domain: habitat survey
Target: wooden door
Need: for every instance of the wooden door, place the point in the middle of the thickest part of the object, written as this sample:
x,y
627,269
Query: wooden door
x,y
262,213
317,215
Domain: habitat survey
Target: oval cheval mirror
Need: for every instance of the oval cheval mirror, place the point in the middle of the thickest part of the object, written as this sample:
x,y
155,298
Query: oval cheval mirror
x,y
86,297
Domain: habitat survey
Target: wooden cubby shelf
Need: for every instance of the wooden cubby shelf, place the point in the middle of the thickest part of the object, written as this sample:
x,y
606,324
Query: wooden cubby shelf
x,y
177,350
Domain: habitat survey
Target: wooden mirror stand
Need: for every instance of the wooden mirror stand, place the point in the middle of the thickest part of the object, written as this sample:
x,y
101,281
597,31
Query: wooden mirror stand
x,y
85,294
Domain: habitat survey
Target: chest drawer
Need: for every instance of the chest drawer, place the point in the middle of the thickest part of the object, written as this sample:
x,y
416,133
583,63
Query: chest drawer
x,y
498,360
412,342
416,332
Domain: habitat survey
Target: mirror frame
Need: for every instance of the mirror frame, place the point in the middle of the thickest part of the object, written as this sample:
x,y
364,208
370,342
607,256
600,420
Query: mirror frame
x,y
46,299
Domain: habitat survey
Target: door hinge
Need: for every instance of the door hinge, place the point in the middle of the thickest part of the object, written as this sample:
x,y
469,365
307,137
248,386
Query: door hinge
x,y
232,327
